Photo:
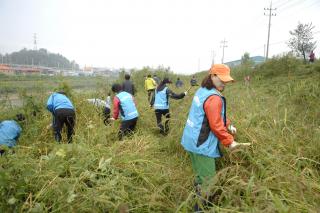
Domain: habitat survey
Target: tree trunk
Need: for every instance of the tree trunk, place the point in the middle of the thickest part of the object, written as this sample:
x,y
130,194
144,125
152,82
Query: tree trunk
x,y
304,56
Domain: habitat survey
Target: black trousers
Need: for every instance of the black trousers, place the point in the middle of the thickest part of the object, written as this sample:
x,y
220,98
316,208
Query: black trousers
x,y
151,96
106,115
159,113
61,117
127,127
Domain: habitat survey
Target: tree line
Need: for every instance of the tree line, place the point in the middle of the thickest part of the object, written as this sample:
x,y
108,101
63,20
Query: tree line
x,y
40,57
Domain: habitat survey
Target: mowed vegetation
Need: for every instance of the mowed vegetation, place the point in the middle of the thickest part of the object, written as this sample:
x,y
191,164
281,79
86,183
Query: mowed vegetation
x,y
278,113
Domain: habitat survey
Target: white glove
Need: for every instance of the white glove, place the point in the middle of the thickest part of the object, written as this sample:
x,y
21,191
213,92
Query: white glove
x,y
49,126
185,93
232,129
235,144
112,119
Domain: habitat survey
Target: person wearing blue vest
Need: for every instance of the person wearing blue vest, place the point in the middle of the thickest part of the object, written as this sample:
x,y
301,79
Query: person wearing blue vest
x,y
10,131
207,126
161,104
63,113
123,104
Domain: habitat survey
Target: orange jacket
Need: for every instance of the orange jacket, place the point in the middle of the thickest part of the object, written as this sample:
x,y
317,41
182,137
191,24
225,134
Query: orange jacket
x,y
212,108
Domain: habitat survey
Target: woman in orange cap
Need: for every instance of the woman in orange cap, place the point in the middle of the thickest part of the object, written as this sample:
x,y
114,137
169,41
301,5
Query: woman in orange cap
x,y
207,126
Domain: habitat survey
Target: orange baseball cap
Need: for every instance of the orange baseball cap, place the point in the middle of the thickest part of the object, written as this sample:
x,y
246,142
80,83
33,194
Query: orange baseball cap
x,y
222,71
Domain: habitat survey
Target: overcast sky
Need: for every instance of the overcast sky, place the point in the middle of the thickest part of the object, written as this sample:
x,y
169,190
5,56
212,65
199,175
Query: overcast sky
x,y
137,33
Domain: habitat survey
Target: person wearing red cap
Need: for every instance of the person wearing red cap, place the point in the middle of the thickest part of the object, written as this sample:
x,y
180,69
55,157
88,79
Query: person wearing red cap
x,y
207,126
161,104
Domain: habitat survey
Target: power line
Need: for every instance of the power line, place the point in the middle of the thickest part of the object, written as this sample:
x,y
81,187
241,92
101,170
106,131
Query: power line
x,y
279,3
288,2
286,7
270,9
223,46
271,44
278,42
303,9
293,13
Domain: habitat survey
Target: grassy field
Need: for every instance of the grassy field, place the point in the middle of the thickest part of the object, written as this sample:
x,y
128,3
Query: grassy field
x,y
14,88
278,113
32,83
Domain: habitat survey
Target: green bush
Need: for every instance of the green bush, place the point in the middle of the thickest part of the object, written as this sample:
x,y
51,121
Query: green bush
x,y
279,65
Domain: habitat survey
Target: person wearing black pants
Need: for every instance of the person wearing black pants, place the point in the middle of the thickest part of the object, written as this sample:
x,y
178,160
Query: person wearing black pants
x,y
124,105
161,104
127,127
61,117
63,113
159,113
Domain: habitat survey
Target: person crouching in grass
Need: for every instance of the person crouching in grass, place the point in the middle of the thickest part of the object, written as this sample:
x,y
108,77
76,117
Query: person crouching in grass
x,y
10,131
63,114
123,104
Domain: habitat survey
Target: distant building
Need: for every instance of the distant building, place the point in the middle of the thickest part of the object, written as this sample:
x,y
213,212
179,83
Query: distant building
x,y
18,69
255,59
13,69
88,69
26,70
6,69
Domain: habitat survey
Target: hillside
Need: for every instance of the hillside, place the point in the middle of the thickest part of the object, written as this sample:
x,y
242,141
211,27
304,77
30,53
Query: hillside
x,y
278,113
40,57
255,60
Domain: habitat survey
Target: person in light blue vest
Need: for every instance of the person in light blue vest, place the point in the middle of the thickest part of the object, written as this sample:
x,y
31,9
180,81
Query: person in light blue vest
x,y
161,104
10,131
123,104
63,113
207,126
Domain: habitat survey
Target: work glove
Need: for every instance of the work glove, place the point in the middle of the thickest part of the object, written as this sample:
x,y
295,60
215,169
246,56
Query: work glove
x,y
232,129
185,93
235,144
49,126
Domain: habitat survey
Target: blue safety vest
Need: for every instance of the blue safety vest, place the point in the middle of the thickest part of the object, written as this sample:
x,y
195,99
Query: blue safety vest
x,y
58,101
128,108
9,133
197,136
161,99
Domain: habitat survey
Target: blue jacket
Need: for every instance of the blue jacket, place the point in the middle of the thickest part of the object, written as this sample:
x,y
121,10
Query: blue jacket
x,y
128,108
197,136
161,99
9,133
58,101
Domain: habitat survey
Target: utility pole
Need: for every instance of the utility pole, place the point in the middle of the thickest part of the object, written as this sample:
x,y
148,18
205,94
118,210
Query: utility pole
x,y
270,9
35,41
213,56
223,43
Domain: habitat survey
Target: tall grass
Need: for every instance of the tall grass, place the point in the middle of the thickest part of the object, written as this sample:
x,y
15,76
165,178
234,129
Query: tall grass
x,y
277,113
